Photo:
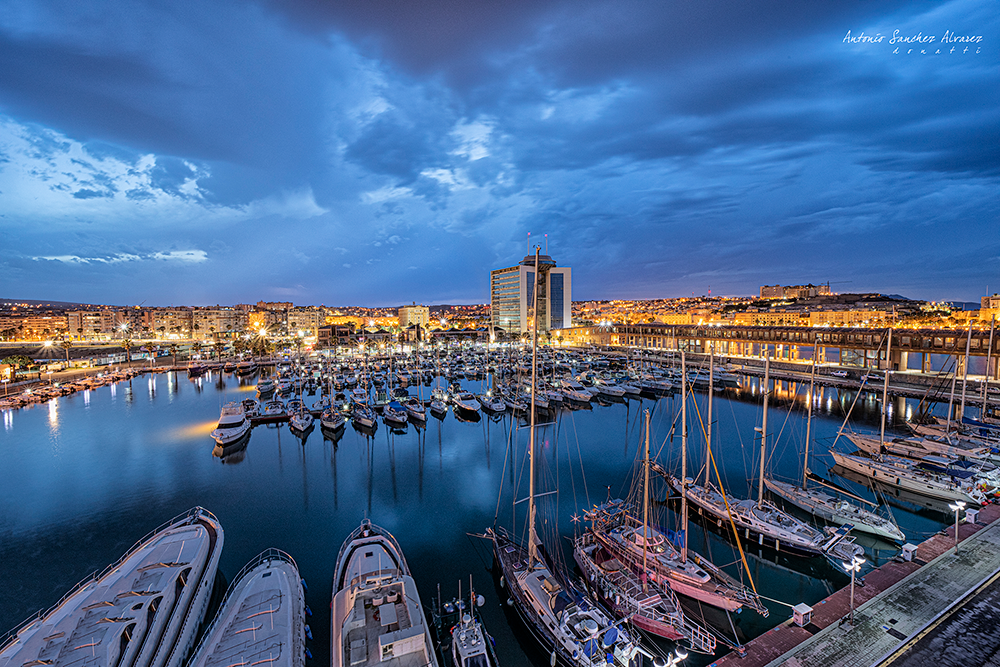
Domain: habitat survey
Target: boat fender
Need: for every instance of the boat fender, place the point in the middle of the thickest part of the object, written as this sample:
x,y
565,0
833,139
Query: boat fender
x,y
309,632
304,586
552,659
309,654
501,582
510,602
309,612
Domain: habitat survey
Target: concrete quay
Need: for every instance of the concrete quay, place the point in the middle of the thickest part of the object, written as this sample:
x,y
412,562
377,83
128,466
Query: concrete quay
x,y
900,603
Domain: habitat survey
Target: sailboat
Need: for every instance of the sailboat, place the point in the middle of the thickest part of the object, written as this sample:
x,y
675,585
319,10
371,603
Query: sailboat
x,y
760,520
629,591
634,541
564,622
826,506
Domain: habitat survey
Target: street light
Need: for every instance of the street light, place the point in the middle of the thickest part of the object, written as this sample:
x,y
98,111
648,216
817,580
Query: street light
x,y
853,567
958,507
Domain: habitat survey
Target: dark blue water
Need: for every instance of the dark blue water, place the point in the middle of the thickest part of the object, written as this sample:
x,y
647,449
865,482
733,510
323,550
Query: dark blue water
x,y
85,476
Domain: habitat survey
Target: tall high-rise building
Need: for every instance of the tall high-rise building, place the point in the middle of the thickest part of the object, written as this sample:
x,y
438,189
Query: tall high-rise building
x,y
512,294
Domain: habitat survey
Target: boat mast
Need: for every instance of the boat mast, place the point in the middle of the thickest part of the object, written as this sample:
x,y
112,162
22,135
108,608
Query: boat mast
x,y
885,389
986,375
532,536
965,373
645,507
711,392
684,449
809,416
763,431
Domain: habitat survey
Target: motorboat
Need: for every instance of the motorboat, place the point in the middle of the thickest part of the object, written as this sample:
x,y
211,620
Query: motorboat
x,y
364,416
376,614
466,402
143,610
491,403
233,424
267,598
266,386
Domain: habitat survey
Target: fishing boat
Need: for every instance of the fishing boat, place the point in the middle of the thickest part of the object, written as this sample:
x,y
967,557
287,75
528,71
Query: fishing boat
x,y
376,615
233,424
266,599
571,629
143,610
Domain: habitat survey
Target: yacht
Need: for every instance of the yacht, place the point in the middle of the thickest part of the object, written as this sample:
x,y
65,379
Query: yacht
x,y
376,614
233,424
914,476
267,598
394,413
364,416
265,386
143,610
491,404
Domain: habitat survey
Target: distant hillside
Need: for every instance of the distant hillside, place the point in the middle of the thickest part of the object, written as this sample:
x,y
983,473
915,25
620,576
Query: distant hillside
x,y
36,302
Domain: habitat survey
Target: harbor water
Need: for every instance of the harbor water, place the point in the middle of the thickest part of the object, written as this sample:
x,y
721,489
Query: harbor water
x,y
85,476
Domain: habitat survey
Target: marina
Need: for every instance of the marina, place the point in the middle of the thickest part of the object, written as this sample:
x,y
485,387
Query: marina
x,y
434,481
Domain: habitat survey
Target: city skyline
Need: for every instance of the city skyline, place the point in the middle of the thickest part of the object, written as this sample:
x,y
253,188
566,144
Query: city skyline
x,y
226,152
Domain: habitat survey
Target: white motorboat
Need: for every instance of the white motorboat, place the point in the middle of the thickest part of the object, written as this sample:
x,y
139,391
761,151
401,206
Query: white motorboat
x,y
266,597
233,424
143,610
376,614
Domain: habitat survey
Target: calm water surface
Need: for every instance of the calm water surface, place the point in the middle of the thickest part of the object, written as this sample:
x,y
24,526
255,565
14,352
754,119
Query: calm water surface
x,y
85,476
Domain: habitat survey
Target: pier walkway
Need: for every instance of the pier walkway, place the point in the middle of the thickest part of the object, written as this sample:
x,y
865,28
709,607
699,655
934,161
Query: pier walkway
x,y
899,603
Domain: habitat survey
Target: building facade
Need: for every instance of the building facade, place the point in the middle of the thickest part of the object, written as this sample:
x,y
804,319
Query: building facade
x,y
410,315
512,296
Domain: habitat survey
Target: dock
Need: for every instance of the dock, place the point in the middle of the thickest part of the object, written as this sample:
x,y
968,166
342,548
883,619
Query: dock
x,y
899,602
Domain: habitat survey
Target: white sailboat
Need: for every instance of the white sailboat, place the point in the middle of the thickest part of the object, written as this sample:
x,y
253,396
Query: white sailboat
x,y
826,506
761,521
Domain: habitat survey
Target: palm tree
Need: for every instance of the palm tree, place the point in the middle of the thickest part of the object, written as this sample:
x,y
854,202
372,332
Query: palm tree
x,y
127,345
173,352
67,343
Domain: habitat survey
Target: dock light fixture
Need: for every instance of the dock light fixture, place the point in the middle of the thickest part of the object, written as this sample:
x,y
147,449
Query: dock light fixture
x,y
958,507
853,567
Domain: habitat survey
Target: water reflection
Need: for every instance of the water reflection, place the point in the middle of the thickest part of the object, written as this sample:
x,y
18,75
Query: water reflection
x,y
113,480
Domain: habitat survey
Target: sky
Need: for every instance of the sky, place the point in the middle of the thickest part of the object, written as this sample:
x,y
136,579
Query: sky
x,y
381,152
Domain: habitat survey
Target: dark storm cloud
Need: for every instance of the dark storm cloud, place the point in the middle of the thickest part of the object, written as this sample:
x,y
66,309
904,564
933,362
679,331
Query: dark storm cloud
x,y
661,145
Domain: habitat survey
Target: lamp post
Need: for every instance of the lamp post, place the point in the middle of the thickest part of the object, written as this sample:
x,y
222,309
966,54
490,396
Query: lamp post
x,y
853,567
958,507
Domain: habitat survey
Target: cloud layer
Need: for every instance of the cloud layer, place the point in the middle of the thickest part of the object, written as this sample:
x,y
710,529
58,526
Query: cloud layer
x,y
224,152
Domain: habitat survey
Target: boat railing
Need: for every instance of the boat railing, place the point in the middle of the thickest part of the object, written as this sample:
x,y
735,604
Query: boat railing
x,y
269,554
190,516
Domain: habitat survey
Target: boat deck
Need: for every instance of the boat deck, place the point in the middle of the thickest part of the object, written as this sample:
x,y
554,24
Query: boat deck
x,y
129,613
898,601
262,622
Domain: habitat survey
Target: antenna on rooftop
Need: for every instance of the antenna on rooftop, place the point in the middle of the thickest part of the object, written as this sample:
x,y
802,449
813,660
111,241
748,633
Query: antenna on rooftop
x,y
546,244
529,243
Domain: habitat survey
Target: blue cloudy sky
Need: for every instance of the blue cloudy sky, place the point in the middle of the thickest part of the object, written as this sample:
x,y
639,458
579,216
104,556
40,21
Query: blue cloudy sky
x,y
376,152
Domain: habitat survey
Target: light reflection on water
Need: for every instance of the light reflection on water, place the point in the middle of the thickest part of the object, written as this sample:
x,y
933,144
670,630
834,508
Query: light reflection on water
x,y
117,469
